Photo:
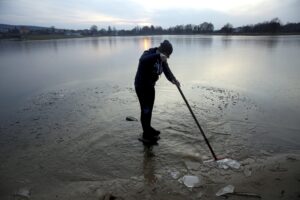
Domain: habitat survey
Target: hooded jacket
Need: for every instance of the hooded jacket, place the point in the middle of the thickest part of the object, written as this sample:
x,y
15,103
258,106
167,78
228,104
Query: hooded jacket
x,y
150,67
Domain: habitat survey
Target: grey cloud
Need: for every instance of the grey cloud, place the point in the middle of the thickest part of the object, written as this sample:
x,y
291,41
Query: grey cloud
x,y
176,17
117,8
66,14
287,11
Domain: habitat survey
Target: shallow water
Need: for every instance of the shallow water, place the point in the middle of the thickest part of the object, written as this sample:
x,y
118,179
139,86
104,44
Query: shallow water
x,y
64,104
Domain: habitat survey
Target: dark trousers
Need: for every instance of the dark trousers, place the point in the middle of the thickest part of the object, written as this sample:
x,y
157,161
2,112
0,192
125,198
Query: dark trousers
x,y
146,96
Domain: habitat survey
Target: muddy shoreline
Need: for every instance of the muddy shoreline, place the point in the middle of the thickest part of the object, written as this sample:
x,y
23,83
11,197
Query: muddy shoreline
x,y
75,143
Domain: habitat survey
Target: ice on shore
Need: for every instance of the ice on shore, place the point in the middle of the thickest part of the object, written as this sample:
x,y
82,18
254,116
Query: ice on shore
x,y
225,190
228,163
190,181
23,193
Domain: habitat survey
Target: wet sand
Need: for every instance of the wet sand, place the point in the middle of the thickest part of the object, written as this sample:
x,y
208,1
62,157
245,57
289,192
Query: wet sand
x,y
73,142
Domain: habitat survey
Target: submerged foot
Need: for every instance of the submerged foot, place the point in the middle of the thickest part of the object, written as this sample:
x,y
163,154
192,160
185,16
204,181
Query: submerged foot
x,y
154,131
148,142
149,138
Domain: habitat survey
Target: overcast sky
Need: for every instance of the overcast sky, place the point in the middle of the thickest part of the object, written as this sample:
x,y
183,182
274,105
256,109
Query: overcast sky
x,y
81,14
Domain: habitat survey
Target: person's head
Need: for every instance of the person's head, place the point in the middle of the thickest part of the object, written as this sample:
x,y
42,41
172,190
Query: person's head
x,y
166,48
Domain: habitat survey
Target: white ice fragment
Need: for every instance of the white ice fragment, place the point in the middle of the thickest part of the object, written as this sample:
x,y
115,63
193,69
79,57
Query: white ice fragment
x,y
225,190
226,163
23,192
190,181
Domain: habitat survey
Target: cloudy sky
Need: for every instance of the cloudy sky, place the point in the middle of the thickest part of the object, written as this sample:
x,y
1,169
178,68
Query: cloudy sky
x,y
80,14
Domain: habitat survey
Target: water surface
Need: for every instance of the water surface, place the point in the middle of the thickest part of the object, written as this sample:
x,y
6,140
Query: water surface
x,y
264,67
64,102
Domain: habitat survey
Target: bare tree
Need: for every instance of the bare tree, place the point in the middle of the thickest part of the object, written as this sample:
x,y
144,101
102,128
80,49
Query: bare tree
x,y
227,28
94,29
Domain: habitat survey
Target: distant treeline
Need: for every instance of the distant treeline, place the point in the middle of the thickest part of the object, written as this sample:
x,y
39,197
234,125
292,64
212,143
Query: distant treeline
x,y
273,26
269,27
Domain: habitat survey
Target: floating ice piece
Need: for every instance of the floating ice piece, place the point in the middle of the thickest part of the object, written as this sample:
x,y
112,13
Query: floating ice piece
x,y
226,163
225,190
190,181
23,192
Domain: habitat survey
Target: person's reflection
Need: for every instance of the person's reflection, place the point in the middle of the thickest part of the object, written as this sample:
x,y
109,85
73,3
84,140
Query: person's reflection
x,y
148,165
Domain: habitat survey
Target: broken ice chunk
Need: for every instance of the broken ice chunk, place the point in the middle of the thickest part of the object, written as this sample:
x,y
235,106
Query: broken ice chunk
x,y
225,190
226,163
190,181
23,192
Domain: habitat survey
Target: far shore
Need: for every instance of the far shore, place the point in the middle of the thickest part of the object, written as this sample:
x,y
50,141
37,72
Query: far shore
x,y
61,36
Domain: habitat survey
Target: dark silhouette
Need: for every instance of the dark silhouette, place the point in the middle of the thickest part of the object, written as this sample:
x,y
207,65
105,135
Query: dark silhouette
x,y
152,64
227,28
94,30
273,26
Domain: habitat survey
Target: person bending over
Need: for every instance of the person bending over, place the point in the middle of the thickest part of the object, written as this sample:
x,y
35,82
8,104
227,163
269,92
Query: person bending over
x,y
151,64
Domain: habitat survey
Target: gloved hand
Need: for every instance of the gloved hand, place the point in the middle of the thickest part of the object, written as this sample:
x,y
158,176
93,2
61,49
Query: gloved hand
x,y
176,82
163,57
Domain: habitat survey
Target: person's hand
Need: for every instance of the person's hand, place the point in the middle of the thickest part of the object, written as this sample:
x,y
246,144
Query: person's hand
x,y
163,57
176,82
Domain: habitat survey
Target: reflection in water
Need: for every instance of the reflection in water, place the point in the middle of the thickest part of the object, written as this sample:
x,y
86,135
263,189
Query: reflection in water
x,y
271,42
149,165
95,43
254,64
55,46
226,41
146,43
206,41
266,41
112,42
192,42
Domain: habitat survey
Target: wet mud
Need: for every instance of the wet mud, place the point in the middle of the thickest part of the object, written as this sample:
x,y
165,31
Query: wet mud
x,y
74,142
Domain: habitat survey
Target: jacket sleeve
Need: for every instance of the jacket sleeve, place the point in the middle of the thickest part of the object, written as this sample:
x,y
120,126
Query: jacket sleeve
x,y
146,57
168,73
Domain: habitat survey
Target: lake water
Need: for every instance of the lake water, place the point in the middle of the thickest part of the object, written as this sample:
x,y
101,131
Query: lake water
x,y
64,103
265,67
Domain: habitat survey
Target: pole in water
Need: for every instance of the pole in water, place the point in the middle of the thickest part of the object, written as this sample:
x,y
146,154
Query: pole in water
x,y
201,130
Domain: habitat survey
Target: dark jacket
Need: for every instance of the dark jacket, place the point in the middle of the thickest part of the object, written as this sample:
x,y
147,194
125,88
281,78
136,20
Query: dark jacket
x,y
149,69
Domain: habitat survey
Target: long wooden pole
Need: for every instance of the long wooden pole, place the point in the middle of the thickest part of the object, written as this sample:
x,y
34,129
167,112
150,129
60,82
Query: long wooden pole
x,y
201,130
